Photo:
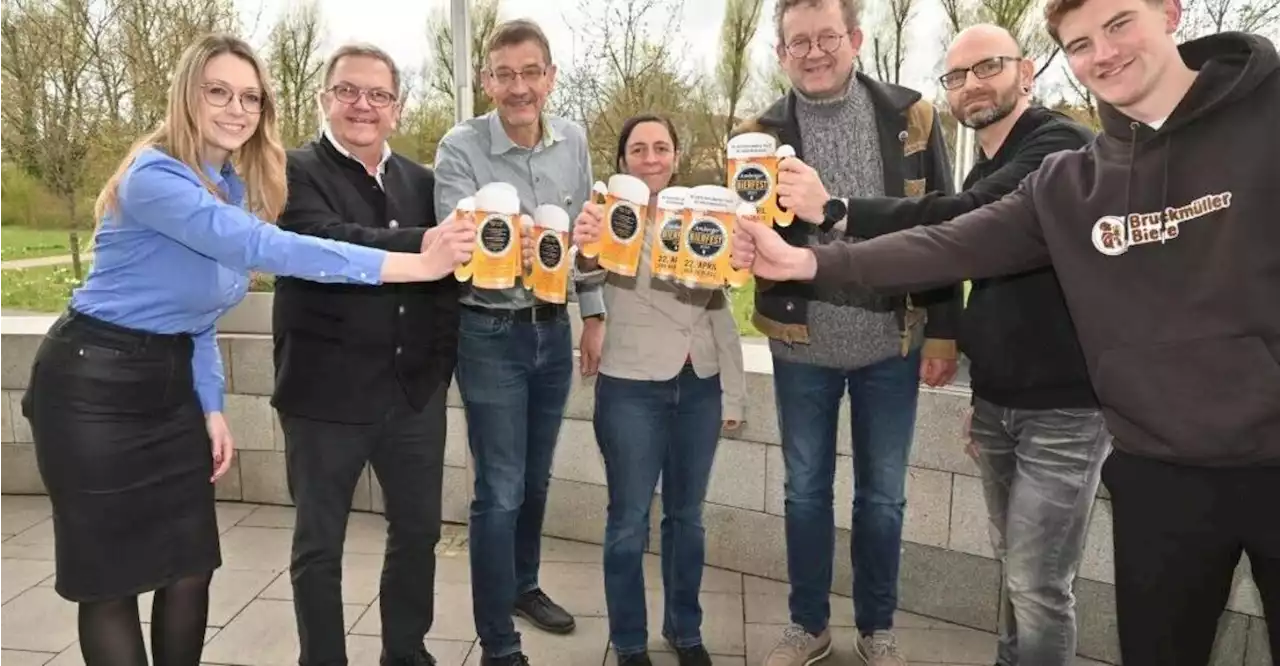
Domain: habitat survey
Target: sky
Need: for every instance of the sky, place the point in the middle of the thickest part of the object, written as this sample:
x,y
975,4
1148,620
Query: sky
x,y
399,26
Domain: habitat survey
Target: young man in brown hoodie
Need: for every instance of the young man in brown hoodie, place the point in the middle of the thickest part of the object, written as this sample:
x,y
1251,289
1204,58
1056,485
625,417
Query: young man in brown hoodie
x,y
1166,241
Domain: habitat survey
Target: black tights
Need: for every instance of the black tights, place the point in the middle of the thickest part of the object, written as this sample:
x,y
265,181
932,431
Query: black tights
x,y
111,632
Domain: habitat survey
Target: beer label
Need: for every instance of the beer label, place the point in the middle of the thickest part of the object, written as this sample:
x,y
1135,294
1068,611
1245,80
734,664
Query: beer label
x,y
550,252
670,234
752,183
624,222
495,235
705,240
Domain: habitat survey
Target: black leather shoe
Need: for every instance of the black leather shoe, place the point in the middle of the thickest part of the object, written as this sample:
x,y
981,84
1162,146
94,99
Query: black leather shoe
x,y
693,656
419,658
638,659
545,614
517,659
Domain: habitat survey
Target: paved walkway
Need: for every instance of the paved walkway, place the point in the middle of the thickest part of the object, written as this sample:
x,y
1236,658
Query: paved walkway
x,y
252,623
36,262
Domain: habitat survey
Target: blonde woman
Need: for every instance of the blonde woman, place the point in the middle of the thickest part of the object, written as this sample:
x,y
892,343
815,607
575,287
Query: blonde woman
x,y
671,376
126,392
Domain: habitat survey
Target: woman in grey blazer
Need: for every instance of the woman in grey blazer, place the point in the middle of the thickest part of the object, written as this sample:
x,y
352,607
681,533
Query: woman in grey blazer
x,y
671,377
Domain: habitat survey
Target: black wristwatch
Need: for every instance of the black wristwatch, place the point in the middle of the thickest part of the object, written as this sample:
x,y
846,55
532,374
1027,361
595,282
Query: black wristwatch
x,y
833,211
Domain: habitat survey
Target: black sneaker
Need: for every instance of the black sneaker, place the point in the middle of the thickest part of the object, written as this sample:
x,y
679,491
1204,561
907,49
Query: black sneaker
x,y
517,659
638,659
695,655
536,607
419,658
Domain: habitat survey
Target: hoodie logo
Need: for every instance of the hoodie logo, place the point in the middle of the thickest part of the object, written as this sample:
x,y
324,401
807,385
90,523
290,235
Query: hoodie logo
x,y
1114,235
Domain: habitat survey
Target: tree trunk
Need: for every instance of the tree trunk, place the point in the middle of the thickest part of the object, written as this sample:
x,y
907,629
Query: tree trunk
x,y
75,238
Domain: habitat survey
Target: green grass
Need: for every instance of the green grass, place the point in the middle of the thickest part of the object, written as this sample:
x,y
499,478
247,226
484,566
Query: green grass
x,y
27,243
743,301
42,289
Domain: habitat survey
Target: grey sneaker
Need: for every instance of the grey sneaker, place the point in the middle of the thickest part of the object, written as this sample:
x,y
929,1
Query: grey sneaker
x,y
880,649
799,648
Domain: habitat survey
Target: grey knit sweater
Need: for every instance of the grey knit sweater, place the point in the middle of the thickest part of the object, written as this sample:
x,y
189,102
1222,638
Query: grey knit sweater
x,y
848,328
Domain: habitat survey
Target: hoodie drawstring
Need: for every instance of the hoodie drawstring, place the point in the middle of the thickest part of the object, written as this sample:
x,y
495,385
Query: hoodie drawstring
x,y
1128,183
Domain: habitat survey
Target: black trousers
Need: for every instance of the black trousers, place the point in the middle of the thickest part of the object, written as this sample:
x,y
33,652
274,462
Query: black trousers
x,y
1179,532
324,463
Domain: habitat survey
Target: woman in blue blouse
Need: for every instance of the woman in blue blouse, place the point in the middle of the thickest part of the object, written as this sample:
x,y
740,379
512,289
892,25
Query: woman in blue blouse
x,y
126,392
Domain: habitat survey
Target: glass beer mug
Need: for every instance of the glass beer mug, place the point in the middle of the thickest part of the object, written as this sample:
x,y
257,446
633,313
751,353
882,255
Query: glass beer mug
x,y
626,204
496,262
753,174
668,226
548,277
704,260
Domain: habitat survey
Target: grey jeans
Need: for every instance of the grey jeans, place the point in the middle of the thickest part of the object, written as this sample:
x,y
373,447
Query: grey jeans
x,y
1040,473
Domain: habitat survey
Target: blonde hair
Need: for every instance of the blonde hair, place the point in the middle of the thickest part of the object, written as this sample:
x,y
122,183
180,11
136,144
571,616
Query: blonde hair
x,y
260,161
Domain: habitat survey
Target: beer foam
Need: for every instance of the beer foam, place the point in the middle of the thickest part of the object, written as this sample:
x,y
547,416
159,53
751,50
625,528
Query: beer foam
x,y
467,204
712,198
747,210
550,216
785,150
630,188
752,144
498,198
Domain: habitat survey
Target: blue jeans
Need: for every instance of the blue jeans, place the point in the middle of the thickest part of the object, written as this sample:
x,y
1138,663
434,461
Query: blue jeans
x,y
1040,474
646,429
883,399
514,379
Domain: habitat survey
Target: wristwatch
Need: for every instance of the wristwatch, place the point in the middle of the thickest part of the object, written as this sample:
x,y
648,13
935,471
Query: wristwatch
x,y
833,211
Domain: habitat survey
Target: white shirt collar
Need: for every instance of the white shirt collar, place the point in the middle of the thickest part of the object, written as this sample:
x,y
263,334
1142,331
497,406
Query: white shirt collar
x,y
382,164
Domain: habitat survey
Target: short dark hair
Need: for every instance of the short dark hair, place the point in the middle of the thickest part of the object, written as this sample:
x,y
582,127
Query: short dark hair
x,y
629,126
364,50
1056,10
517,31
850,9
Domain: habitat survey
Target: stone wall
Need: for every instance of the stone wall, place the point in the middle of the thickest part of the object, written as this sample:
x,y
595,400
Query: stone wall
x,y
947,567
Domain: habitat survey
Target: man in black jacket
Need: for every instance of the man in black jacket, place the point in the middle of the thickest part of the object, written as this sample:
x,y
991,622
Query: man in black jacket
x,y
1036,427
362,372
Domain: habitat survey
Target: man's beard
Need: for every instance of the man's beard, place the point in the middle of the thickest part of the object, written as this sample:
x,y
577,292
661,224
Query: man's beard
x,y
993,114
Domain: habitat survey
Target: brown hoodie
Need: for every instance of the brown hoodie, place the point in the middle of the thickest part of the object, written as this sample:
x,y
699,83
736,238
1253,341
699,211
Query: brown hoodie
x,y
1167,246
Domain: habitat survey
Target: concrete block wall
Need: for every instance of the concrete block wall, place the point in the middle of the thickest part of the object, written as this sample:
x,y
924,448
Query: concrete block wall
x,y
947,571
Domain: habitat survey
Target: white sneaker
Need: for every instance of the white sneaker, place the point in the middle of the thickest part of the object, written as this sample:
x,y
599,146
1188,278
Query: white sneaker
x,y
799,648
880,649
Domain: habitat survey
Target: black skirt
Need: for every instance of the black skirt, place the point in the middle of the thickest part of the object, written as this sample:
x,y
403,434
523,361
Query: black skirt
x,y
122,447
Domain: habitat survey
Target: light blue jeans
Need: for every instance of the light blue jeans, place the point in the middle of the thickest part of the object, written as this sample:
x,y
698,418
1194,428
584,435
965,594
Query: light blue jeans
x,y
1040,474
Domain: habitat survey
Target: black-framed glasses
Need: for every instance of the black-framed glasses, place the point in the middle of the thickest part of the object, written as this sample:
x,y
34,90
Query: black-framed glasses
x,y
983,69
827,43
349,94
220,94
506,76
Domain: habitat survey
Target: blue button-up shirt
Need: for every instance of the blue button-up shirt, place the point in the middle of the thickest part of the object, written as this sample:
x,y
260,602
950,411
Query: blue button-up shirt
x,y
556,171
172,258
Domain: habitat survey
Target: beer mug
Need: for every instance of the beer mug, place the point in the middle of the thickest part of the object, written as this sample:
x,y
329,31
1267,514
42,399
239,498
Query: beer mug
x,y
708,231
548,277
496,262
668,225
753,174
626,211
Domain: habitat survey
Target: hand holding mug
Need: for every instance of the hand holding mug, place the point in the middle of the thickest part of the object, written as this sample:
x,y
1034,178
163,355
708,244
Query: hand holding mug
x,y
800,190
589,225
451,246
759,247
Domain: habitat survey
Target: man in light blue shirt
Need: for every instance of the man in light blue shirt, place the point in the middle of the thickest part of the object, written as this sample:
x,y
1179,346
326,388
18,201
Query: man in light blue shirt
x,y
515,353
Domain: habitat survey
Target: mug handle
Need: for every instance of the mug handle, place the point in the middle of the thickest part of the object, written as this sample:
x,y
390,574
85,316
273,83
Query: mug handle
x,y
464,272
526,272
781,216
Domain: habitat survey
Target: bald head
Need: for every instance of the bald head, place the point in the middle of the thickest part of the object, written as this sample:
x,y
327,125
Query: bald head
x,y
985,77
984,37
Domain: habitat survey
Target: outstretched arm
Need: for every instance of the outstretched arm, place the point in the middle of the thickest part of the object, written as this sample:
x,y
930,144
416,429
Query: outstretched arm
x,y
998,239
